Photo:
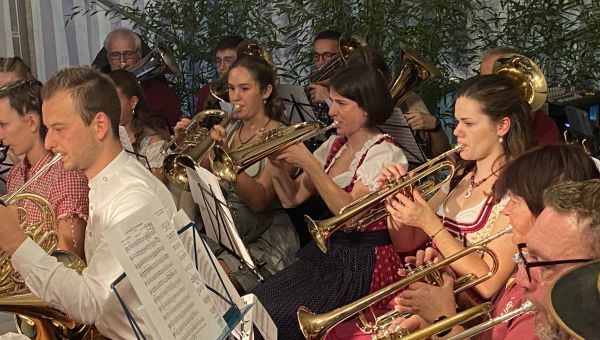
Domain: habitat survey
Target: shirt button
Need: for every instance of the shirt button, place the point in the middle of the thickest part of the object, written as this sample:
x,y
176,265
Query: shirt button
x,y
105,178
90,234
91,207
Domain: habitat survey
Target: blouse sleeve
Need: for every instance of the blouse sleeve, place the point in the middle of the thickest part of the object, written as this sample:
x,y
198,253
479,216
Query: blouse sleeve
x,y
321,153
155,157
70,195
379,156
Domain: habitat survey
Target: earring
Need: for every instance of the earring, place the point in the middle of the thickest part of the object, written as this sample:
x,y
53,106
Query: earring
x,y
132,112
500,140
264,101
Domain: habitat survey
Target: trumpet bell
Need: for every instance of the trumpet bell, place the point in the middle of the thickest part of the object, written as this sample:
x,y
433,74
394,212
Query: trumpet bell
x,y
526,75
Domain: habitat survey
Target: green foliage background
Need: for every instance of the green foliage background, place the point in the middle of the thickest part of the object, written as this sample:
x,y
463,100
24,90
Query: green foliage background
x,y
562,36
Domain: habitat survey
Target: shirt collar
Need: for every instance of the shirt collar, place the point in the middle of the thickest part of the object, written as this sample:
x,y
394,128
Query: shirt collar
x,y
110,170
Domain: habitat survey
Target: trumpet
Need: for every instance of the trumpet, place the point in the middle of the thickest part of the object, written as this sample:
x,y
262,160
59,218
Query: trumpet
x,y
323,229
227,166
316,326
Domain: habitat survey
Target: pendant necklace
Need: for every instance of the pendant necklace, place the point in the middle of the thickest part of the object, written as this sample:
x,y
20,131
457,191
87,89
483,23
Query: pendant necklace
x,y
252,135
474,184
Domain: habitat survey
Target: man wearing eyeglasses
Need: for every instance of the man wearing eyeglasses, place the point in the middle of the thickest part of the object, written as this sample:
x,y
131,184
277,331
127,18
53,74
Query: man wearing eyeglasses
x,y
123,51
567,232
325,46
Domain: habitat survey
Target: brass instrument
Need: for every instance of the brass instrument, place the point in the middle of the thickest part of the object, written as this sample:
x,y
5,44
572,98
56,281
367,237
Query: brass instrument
x,y
526,75
316,326
15,297
347,45
192,145
3,152
227,166
155,63
415,70
219,87
323,229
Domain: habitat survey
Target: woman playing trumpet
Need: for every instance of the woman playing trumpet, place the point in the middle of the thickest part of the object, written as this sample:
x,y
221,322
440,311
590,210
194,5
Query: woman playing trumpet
x,y
264,226
344,168
524,180
22,131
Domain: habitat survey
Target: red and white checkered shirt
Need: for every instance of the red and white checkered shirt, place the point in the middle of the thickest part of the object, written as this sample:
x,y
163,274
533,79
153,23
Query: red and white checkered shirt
x,y
67,191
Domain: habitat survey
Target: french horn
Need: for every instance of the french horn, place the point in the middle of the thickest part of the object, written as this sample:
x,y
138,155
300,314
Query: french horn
x,y
15,297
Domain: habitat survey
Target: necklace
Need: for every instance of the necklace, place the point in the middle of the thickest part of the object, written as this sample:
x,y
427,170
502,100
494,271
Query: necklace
x,y
252,135
474,184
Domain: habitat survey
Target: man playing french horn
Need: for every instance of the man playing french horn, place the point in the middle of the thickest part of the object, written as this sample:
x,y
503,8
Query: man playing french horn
x,y
81,111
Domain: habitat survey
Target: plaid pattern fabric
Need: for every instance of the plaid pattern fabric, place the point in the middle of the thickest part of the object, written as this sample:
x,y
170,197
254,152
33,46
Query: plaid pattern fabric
x,y
67,191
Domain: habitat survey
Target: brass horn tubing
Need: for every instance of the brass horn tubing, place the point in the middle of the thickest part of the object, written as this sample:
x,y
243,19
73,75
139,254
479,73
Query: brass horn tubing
x,y
450,322
42,170
316,326
248,155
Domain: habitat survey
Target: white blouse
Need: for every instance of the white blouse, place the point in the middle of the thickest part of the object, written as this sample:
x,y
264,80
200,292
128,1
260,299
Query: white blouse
x,y
378,156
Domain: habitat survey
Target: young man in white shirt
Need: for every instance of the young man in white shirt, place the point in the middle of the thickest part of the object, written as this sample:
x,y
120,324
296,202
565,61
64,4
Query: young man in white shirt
x,y
81,111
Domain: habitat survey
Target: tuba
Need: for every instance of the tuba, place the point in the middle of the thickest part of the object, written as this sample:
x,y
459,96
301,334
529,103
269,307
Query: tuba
x,y
227,166
323,229
316,326
219,87
526,75
415,70
15,297
192,145
155,63
347,45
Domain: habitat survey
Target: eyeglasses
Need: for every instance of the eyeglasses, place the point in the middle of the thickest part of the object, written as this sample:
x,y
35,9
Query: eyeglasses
x,y
520,258
326,56
125,55
225,60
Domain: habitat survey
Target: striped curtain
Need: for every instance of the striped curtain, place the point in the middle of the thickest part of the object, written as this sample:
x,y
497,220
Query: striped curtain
x,y
37,31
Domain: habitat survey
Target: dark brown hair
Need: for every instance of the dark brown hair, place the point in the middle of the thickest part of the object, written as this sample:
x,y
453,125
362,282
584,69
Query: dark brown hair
x,y
263,74
24,97
370,55
228,43
127,83
91,91
365,85
528,175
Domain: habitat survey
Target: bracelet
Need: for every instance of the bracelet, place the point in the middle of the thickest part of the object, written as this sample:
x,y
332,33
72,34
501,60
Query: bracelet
x,y
437,232
444,332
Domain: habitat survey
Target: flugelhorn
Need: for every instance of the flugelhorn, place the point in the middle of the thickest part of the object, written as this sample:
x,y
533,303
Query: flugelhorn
x,y
526,75
322,230
227,166
15,297
316,326
192,145
348,43
415,70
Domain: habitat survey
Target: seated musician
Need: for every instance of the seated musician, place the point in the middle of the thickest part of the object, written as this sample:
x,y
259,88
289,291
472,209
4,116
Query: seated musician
x,y
12,69
344,168
524,179
325,46
264,226
493,127
22,131
136,120
544,128
81,111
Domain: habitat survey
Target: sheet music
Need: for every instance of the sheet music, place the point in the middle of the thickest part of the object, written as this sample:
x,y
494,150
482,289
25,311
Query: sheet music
x,y
397,127
215,277
289,94
150,255
215,213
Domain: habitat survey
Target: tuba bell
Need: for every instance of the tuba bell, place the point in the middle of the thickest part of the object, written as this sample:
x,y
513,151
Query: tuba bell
x,y
155,63
15,297
347,45
526,75
415,70
192,145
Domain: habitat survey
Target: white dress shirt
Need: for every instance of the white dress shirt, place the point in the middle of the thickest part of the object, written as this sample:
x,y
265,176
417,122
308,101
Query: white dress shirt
x,y
119,189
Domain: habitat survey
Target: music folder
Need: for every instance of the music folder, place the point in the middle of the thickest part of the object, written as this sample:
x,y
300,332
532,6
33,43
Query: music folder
x,y
397,127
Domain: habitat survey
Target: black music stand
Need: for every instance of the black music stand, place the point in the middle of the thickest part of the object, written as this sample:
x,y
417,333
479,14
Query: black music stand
x,y
296,102
397,127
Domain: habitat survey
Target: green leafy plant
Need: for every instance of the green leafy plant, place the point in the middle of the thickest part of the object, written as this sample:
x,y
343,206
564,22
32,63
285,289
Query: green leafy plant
x,y
561,36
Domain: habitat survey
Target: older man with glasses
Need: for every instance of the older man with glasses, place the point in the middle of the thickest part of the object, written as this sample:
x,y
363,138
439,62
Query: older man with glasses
x,y
123,51
325,46
567,232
